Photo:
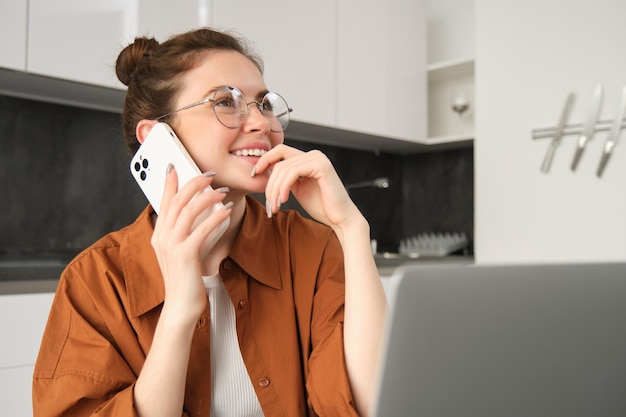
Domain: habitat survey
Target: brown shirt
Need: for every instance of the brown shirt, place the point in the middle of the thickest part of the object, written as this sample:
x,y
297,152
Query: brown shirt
x,y
285,278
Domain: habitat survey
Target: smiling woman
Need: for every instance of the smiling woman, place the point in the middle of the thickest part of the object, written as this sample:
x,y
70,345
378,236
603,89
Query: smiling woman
x,y
283,313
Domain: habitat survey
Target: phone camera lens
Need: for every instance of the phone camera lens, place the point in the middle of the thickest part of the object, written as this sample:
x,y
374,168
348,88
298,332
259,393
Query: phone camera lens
x,y
142,175
137,166
145,163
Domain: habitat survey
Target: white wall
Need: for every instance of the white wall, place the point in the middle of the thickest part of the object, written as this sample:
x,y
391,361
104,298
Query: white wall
x,y
22,321
529,56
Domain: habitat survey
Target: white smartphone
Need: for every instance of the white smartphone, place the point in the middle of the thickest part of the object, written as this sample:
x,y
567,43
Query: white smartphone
x,y
149,165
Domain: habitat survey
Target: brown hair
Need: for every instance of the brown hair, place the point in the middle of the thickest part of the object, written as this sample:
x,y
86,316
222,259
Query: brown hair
x,y
152,71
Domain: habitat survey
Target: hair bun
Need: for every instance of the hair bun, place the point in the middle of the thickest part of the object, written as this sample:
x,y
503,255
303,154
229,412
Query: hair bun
x,y
132,57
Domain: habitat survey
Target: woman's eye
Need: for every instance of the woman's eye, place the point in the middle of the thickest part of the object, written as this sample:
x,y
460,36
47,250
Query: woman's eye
x,y
224,102
267,106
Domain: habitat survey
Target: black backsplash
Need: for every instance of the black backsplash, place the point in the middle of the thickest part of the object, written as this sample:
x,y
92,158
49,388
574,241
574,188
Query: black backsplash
x,y
64,178
428,192
65,183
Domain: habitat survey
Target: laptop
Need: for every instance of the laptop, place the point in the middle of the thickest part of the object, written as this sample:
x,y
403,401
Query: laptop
x,y
505,341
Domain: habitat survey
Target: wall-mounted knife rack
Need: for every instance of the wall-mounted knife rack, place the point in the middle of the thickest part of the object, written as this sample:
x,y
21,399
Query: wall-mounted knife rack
x,y
586,131
573,129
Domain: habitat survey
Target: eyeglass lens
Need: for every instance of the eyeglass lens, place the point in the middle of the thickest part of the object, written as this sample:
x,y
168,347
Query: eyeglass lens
x,y
231,108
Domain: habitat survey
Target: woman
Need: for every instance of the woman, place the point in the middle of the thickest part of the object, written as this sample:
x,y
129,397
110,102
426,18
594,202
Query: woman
x,y
282,317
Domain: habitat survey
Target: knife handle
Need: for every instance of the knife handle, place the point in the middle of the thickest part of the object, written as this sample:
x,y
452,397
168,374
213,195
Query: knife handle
x,y
580,148
603,161
547,160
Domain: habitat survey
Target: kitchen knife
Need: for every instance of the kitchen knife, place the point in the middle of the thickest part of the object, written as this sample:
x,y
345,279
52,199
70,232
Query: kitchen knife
x,y
613,138
558,133
589,127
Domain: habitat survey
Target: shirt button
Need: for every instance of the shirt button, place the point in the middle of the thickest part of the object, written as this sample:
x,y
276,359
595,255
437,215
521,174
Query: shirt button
x,y
243,304
264,382
201,321
228,264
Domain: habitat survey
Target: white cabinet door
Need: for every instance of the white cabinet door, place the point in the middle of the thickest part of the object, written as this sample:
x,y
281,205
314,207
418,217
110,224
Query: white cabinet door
x,y
163,18
297,43
15,390
79,40
13,19
359,66
23,318
382,68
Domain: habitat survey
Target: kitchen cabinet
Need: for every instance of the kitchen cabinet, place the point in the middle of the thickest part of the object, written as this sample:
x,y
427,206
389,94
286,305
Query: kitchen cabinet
x,y
13,20
381,77
354,72
357,66
79,40
297,43
529,57
450,70
163,18
451,84
23,318
71,46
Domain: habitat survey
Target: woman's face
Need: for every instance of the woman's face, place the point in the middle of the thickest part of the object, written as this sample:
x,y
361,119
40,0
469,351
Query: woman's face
x,y
212,145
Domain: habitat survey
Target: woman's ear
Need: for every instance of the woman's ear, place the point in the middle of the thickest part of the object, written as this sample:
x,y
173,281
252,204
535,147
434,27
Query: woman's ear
x,y
143,128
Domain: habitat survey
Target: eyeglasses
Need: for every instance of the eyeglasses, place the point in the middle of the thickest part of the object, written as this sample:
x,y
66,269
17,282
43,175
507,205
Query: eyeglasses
x,y
231,108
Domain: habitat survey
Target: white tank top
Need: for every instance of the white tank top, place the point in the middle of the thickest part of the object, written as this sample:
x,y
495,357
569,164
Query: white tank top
x,y
232,391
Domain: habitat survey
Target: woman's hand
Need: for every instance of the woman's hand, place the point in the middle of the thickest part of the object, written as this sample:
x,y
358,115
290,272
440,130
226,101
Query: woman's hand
x,y
179,247
312,179
314,182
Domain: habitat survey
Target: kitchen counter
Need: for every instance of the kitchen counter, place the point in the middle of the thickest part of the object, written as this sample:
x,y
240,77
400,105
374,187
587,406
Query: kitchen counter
x,y
29,275
28,286
43,276
388,262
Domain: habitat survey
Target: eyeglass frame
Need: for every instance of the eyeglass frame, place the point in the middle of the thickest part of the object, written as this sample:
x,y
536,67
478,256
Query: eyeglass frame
x,y
243,116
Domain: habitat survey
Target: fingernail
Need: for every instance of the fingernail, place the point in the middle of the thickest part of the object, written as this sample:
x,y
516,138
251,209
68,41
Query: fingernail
x,y
169,169
268,209
209,174
278,203
253,172
228,205
223,190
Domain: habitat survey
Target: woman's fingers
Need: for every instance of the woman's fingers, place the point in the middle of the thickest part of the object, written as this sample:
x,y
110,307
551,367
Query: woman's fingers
x,y
281,161
311,177
176,198
181,209
170,187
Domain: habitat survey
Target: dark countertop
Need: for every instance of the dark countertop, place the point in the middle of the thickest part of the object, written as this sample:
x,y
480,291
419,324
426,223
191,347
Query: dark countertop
x,y
37,276
388,262
28,286
30,275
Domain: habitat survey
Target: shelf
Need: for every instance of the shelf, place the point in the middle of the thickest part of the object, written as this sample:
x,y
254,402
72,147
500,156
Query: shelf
x,y
445,79
450,69
438,140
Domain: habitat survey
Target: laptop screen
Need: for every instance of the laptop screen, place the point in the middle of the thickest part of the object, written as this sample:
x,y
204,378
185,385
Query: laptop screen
x,y
517,340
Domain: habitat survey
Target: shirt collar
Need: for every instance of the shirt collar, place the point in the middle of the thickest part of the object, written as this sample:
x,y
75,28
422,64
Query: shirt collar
x,y
257,247
142,274
256,250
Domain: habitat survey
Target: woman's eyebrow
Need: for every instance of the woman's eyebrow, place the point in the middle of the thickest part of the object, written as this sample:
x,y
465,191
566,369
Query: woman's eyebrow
x,y
261,94
210,93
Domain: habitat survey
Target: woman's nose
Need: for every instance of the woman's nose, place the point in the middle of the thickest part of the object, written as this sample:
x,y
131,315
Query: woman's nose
x,y
255,117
